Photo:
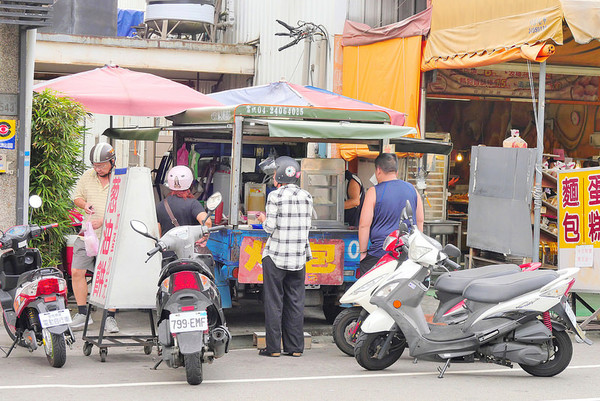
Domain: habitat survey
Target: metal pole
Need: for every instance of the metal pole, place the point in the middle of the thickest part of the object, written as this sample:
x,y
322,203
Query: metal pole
x,y
26,68
537,193
236,167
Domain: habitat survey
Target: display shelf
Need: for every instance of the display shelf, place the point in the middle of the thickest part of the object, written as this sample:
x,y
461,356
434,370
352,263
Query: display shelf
x,y
548,180
548,233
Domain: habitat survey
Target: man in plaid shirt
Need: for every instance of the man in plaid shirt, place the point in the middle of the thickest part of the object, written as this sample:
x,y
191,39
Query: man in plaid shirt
x,y
287,220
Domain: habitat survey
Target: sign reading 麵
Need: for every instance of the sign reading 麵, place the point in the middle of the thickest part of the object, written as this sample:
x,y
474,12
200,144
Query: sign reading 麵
x,y
326,267
579,225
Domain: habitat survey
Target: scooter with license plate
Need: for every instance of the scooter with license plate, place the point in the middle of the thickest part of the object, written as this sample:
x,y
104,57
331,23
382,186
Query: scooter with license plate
x,y
191,325
33,299
519,318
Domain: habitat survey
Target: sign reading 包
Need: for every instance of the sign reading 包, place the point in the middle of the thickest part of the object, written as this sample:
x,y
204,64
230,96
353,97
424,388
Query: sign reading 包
x,y
579,225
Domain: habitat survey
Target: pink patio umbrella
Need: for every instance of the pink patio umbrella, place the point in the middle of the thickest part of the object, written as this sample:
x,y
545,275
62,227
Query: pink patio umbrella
x,y
119,91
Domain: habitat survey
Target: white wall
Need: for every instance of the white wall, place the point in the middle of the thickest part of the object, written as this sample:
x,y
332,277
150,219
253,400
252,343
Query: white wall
x,y
132,4
255,19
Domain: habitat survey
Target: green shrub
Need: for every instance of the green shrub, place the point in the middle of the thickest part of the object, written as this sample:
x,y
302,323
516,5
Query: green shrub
x,y
56,164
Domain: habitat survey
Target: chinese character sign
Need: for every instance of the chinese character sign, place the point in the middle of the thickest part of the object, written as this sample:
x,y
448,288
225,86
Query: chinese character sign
x,y
579,224
104,260
326,267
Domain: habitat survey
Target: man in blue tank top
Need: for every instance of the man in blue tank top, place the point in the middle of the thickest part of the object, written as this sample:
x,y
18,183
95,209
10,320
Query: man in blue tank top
x,y
382,208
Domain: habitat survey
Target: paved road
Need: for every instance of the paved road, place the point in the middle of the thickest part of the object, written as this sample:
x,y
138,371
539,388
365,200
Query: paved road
x,y
322,373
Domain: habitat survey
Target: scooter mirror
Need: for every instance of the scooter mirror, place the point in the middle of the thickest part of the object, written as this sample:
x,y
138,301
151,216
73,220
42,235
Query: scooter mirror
x,y
35,201
451,251
139,227
403,227
407,213
214,201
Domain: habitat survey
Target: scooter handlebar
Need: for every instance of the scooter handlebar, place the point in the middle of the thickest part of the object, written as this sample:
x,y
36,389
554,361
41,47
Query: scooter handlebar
x,y
53,225
154,250
216,228
451,264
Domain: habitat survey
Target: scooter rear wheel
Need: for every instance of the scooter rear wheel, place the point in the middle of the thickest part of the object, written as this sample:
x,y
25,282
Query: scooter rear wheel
x,y
55,348
368,346
345,330
193,368
563,351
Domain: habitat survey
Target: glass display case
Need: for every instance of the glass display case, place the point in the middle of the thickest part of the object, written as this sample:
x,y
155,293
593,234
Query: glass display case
x,y
324,180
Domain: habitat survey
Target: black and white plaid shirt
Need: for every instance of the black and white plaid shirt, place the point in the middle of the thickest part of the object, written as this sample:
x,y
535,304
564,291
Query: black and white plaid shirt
x,y
289,210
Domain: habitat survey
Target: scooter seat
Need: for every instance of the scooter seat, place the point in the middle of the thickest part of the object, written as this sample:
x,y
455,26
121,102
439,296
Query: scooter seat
x,y
499,289
455,282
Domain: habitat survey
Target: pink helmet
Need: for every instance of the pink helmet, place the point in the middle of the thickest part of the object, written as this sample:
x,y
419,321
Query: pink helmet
x,y
180,178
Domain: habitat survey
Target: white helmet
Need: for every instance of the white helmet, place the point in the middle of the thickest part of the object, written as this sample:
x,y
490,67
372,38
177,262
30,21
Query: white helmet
x,y
180,178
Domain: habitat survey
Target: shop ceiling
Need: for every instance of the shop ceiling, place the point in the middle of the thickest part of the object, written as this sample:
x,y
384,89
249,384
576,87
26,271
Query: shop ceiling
x,y
60,54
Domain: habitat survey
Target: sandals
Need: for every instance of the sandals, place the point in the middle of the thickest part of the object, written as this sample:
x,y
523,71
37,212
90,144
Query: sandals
x,y
264,352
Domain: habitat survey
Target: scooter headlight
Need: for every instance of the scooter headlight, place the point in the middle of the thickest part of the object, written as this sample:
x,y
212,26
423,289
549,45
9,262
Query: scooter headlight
x,y
386,290
416,252
369,285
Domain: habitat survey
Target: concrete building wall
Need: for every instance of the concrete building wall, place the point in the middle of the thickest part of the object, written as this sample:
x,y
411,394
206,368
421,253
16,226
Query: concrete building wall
x,y
9,84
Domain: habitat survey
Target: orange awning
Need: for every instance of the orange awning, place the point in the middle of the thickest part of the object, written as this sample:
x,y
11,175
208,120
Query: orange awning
x,y
350,152
468,33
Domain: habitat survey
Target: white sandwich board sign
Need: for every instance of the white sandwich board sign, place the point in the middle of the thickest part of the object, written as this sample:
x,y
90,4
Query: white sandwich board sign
x,y
122,279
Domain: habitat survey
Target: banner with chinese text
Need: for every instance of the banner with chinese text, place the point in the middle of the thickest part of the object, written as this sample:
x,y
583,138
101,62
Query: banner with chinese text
x,y
122,278
326,267
512,84
579,225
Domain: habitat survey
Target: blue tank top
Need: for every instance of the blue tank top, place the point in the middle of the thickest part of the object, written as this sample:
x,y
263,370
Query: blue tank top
x,y
391,197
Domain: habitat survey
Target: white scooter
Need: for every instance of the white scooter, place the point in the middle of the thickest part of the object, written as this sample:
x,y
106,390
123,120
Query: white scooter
x,y
509,318
449,287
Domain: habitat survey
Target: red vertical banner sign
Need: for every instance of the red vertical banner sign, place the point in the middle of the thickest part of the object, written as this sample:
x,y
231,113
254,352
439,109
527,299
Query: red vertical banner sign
x,y
579,225
104,260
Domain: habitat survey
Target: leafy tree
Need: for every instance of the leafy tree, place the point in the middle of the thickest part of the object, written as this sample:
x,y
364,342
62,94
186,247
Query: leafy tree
x,y
56,147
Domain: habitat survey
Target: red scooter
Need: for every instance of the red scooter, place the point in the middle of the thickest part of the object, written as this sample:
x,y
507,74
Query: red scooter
x,y
33,299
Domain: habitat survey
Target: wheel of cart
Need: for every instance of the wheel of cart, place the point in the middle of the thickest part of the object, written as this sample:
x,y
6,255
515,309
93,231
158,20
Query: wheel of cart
x,y
148,348
103,353
87,348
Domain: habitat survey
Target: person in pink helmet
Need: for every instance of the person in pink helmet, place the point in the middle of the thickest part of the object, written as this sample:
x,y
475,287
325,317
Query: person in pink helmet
x,y
180,207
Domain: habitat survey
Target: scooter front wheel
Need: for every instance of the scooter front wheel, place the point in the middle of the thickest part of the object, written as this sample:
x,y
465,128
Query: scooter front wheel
x,y
369,345
345,330
563,351
55,348
193,368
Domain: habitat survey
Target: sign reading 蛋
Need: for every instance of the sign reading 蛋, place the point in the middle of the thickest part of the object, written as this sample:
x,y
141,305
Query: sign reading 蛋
x,y
579,225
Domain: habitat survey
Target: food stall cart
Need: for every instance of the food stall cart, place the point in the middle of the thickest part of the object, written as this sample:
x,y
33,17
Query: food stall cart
x,y
237,138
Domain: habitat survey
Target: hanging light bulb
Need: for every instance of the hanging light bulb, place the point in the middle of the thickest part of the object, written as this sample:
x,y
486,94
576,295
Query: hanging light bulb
x,y
459,157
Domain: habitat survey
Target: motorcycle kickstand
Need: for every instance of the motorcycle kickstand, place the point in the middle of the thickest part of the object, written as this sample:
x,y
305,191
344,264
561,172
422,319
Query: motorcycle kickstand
x,y
443,369
156,365
14,344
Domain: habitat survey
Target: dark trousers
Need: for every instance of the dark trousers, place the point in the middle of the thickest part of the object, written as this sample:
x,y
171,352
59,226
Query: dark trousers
x,y
367,263
284,307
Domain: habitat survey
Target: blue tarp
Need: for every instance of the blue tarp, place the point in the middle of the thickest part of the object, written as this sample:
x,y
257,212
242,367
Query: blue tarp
x,y
126,20
273,93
